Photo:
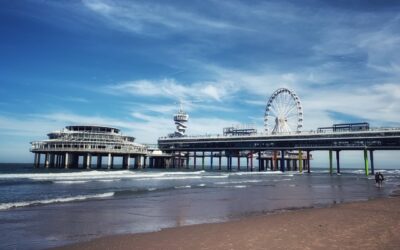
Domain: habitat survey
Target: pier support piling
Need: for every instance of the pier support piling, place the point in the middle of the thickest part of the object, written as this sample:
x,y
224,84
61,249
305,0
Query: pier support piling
x,y
282,161
88,161
52,160
211,160
194,159
238,162
371,158
219,160
67,165
300,161
109,161
47,160
366,161
330,162
308,162
36,160
337,162
274,159
202,161
99,161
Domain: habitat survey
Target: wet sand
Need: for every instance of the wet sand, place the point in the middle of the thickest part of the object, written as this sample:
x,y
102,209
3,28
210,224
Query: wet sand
x,y
373,224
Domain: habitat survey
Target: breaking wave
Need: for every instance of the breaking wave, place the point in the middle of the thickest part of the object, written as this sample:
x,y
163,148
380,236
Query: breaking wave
x,y
5,206
95,175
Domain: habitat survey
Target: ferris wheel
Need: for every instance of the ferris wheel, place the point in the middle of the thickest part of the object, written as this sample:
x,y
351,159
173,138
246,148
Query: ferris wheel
x,y
284,108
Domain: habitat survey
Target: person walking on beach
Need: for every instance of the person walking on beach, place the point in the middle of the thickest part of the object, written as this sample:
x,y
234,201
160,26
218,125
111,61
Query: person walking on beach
x,y
381,178
377,179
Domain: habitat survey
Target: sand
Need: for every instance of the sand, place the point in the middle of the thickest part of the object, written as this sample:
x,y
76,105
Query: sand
x,y
373,224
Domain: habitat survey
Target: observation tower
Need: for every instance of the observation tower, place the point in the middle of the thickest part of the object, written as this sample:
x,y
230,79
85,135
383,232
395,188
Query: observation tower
x,y
180,119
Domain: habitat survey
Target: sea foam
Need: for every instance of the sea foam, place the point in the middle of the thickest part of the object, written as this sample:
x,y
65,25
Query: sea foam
x,y
103,175
5,206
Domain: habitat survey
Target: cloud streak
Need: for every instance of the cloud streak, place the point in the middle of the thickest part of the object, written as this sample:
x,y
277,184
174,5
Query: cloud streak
x,y
171,89
140,17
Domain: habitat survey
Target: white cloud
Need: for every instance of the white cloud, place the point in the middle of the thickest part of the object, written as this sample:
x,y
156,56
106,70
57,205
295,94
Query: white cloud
x,y
144,17
378,103
169,88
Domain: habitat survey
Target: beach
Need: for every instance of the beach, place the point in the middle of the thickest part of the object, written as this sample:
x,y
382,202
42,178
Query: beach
x,y
373,224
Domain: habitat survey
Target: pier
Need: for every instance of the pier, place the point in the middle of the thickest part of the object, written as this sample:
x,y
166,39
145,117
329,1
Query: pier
x,y
282,147
268,149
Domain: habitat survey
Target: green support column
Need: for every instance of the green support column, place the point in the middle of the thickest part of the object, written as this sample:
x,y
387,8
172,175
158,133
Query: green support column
x,y
330,162
366,161
300,161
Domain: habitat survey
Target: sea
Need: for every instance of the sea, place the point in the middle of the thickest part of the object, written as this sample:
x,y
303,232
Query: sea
x,y
43,208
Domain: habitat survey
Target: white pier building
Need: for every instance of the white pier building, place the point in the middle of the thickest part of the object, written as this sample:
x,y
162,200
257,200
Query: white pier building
x,y
64,148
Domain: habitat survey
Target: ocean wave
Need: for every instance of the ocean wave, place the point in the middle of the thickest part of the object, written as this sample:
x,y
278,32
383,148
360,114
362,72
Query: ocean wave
x,y
109,180
102,175
187,172
171,178
182,187
393,171
258,173
237,182
70,182
5,206
216,176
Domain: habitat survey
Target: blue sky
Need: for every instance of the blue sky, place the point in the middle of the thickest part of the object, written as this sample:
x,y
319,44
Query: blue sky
x,y
128,63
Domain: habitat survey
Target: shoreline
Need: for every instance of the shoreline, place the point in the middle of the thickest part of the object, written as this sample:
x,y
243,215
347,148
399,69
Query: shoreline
x,y
368,224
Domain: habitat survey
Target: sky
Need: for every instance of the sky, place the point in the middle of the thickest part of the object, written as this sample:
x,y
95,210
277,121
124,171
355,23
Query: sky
x,y
129,63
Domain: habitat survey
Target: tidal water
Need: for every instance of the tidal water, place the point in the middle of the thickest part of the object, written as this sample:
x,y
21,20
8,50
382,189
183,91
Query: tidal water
x,y
42,208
